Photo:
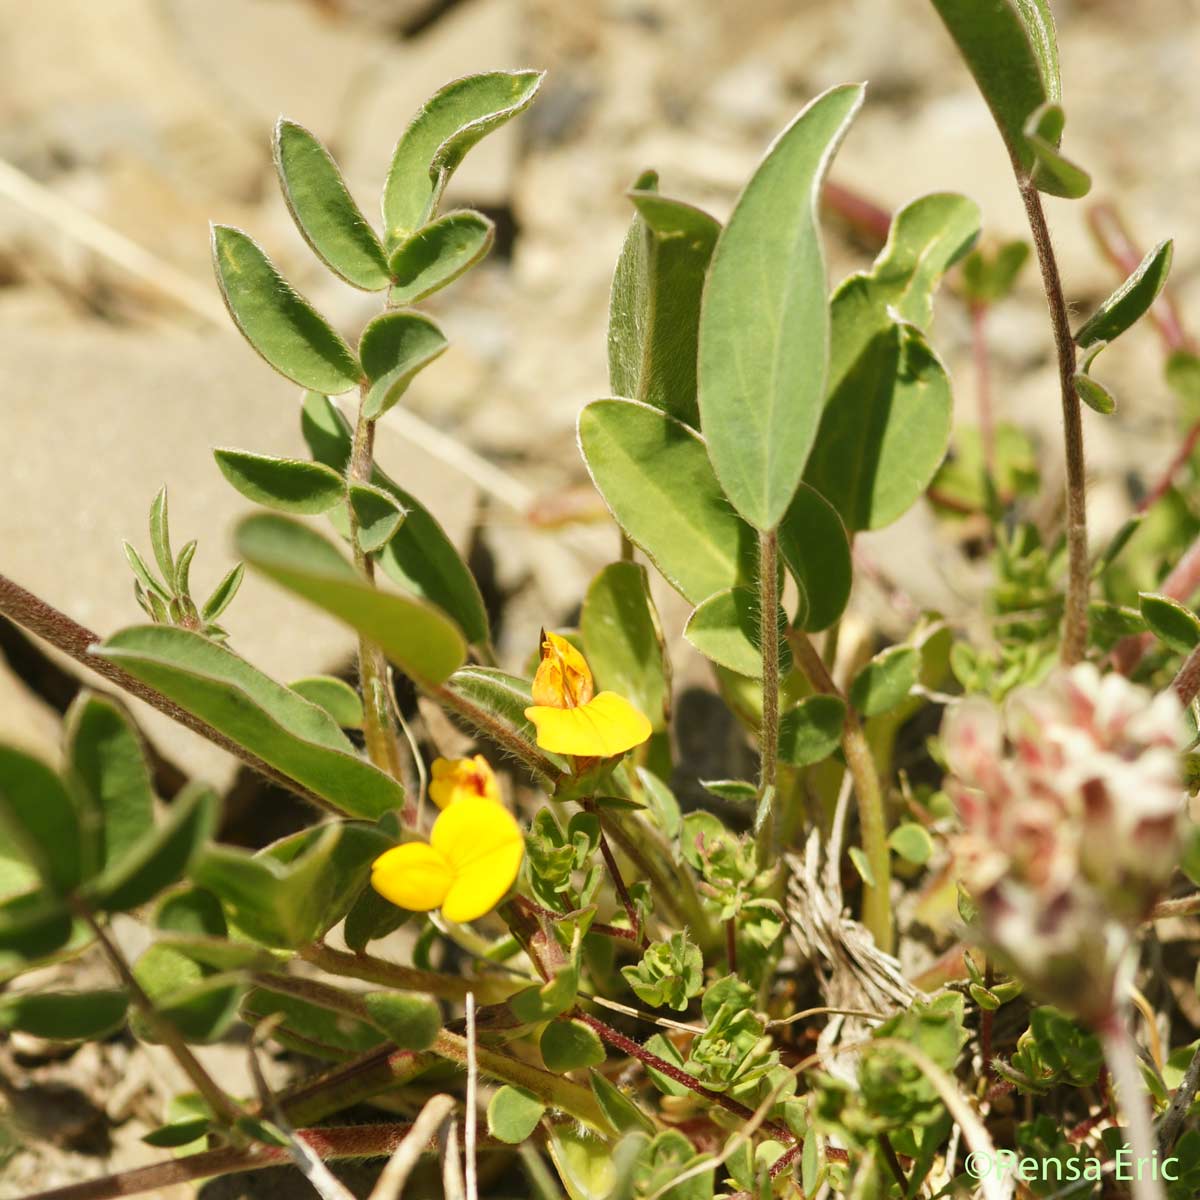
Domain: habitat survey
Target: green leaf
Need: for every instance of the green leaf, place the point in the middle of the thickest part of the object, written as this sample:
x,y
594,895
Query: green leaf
x,y
812,730
764,327
886,680
200,1005
815,548
42,821
1131,300
34,925
160,538
1053,172
622,1112
142,572
420,557
437,254
289,484
422,642
278,903
988,278
371,917
886,422
1171,622
161,856
504,698
378,515
513,1114
1094,394
309,1028
183,568
1011,49
65,1016
324,210
191,911
223,593
107,757
623,640
567,1045
726,629
657,480
394,348
654,310
411,1021
439,136
276,320
283,729
335,696
912,842
862,864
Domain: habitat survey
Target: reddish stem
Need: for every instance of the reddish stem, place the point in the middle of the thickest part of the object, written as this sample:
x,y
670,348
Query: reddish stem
x,y
1181,456
866,217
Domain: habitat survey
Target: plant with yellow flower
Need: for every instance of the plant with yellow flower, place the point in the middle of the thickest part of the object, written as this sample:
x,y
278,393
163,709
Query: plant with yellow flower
x,y
639,912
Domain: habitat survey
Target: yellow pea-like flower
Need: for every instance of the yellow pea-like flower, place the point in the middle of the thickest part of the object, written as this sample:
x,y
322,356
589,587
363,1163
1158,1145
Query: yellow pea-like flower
x,y
457,779
472,857
569,717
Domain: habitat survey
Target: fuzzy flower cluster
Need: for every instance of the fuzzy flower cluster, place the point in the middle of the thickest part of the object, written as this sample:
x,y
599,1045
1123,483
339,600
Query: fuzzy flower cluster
x,y
1071,801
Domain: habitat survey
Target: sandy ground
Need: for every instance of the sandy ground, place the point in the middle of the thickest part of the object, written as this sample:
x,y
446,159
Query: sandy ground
x,y
151,118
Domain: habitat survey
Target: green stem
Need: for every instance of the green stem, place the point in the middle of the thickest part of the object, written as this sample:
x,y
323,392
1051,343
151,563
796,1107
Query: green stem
x,y
872,818
383,746
406,979
1075,627
768,741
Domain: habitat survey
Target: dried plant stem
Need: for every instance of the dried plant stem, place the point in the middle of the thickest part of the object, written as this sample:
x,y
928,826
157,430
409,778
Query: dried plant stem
x,y
872,819
225,1110
1184,906
30,612
1121,1056
768,740
1075,627
1181,1103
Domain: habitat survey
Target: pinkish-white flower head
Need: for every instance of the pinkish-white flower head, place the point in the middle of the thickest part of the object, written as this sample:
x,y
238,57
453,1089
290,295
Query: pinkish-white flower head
x,y
1071,801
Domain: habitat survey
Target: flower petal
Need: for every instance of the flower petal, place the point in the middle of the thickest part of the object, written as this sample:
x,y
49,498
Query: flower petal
x,y
607,725
461,779
483,845
415,876
563,678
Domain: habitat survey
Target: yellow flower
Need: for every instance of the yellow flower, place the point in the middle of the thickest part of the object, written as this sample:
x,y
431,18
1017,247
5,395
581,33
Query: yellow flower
x,y
569,717
471,859
461,778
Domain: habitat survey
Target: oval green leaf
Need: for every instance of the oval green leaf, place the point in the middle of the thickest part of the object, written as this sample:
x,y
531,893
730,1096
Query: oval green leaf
x,y
567,1045
1053,172
886,680
812,730
271,721
65,1016
1171,622
377,516
764,324
335,696
437,254
394,348
410,1020
815,548
513,1114
288,484
276,320
324,211
1131,300
439,136
654,309
1094,394
41,821
656,478
421,641
726,628
912,842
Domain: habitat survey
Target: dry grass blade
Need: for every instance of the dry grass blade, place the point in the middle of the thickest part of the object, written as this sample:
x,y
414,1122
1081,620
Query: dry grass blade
x,y
452,1176
469,1124
430,1119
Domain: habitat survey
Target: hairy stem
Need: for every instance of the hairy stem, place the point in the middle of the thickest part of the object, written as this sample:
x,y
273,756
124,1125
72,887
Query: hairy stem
x,y
484,722
1187,682
1075,627
768,740
618,881
872,818
75,640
